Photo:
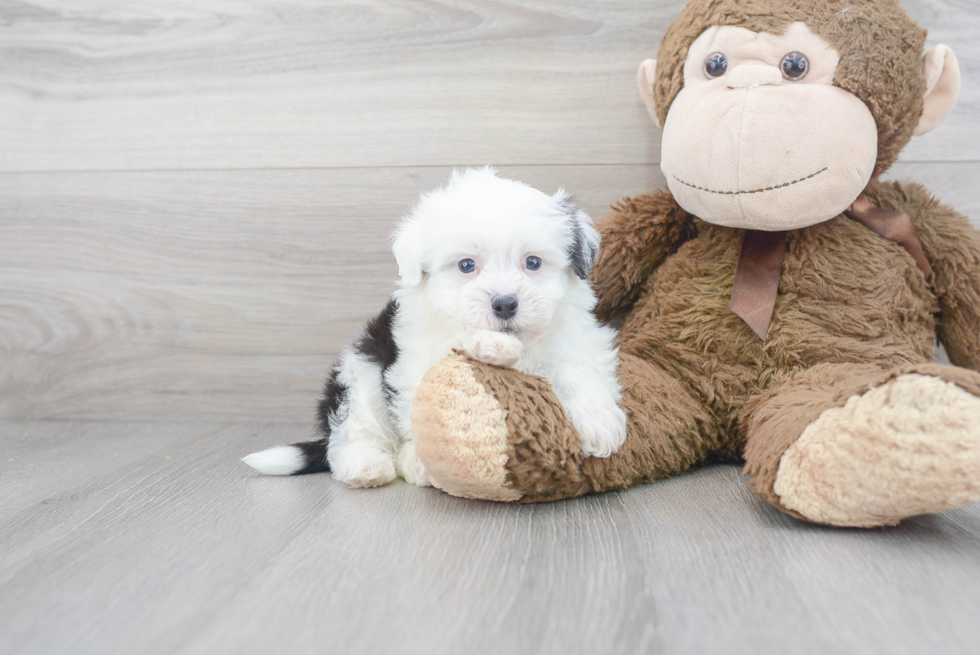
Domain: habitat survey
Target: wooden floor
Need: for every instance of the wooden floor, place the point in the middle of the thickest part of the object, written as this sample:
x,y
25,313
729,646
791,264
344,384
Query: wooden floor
x,y
152,538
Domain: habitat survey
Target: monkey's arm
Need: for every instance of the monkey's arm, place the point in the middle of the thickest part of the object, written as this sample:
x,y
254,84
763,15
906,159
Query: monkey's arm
x,y
952,246
637,236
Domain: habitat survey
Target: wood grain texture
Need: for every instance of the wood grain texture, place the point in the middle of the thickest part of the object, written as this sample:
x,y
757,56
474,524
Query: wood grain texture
x,y
206,293
195,197
104,85
151,538
226,294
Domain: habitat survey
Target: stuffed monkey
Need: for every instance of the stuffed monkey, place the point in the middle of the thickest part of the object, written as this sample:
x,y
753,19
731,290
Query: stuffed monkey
x,y
778,303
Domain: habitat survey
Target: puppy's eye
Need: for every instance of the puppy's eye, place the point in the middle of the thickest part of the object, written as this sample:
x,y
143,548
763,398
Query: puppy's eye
x,y
715,65
795,66
467,265
532,263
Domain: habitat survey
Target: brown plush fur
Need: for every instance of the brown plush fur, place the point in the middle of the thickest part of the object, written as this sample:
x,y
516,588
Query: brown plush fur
x,y
953,248
669,432
879,47
652,226
773,421
853,310
875,308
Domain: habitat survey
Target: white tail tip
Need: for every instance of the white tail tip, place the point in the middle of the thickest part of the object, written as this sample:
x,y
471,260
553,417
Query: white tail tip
x,y
281,460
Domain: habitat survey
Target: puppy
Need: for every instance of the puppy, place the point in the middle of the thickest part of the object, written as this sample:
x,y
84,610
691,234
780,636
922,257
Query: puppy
x,y
488,266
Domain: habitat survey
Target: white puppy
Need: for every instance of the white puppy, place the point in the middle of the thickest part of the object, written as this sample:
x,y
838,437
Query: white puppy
x,y
488,266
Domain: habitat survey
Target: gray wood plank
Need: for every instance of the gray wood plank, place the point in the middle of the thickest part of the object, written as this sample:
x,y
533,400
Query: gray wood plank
x,y
952,184
96,85
227,294
804,588
197,554
206,294
49,465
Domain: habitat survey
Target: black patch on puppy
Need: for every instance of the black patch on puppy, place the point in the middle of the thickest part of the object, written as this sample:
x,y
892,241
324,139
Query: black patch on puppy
x,y
314,457
378,341
334,395
389,393
315,452
378,345
581,254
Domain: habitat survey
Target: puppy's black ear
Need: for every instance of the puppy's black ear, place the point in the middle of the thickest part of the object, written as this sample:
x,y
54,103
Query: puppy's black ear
x,y
410,248
583,242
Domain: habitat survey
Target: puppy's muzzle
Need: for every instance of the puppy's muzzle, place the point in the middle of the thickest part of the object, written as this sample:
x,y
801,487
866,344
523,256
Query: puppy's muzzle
x,y
504,306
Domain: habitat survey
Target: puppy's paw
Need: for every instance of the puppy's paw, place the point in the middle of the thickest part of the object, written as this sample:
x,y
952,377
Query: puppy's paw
x,y
601,424
494,348
362,467
421,474
411,467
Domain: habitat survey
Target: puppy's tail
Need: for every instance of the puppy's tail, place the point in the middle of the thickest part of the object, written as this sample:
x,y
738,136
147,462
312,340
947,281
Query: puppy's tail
x,y
305,457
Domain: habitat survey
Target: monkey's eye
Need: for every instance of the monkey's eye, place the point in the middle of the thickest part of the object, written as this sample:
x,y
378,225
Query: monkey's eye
x,y
532,263
467,265
795,66
715,65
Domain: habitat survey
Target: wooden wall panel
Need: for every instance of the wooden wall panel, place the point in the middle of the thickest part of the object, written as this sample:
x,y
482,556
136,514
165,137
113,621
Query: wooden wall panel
x,y
206,293
189,84
195,197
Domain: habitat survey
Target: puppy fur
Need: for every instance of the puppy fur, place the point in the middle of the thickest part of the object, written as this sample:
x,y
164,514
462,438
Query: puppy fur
x,y
480,241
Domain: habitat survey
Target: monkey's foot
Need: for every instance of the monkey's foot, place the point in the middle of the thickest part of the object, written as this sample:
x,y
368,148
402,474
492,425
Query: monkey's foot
x,y
910,446
460,433
499,434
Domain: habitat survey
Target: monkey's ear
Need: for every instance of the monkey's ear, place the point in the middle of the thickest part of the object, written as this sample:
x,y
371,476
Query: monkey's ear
x,y
644,79
942,87
409,248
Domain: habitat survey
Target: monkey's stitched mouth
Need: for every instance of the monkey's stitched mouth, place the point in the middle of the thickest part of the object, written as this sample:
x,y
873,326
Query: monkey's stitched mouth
x,y
741,193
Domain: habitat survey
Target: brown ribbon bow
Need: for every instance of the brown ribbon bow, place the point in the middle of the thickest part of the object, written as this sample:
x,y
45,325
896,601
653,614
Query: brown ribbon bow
x,y
761,260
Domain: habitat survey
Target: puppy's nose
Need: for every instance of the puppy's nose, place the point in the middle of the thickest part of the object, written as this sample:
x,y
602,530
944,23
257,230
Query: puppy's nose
x,y
504,306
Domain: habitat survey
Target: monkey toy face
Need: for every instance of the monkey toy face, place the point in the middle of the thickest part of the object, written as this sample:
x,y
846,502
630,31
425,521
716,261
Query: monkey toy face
x,y
760,132
759,136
